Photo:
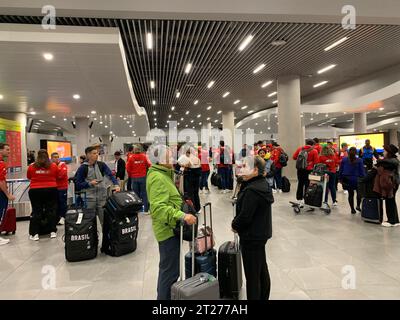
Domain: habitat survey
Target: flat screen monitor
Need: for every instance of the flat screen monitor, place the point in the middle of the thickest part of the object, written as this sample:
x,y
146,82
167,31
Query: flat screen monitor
x,y
358,140
63,148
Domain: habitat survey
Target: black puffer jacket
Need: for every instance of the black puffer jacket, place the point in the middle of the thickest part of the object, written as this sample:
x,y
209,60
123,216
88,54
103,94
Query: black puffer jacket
x,y
253,220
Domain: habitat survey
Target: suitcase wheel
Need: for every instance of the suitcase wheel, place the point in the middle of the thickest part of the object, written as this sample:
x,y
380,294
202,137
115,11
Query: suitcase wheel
x,y
296,210
13,232
327,211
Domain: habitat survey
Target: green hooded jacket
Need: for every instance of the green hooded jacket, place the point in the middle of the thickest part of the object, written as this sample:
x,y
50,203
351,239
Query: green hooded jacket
x,y
165,201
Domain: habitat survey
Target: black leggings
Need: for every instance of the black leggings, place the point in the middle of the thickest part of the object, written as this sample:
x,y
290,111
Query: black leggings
x,y
44,207
351,199
391,208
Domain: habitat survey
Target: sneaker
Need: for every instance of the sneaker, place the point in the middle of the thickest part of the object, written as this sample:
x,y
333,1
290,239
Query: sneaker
x,y
53,235
146,213
335,204
200,191
397,225
353,211
4,241
61,222
207,191
274,191
301,203
387,224
345,192
280,190
34,238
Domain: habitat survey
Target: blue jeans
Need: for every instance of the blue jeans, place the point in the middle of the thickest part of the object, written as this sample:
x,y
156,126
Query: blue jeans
x,y
331,186
224,173
62,203
139,187
3,204
204,179
168,272
278,178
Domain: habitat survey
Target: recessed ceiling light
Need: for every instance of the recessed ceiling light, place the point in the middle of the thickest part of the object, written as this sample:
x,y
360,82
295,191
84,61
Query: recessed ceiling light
x,y
172,108
76,96
101,122
336,44
181,119
199,115
269,128
111,132
42,121
95,119
152,84
266,84
215,121
187,112
327,115
278,43
191,121
155,124
127,122
219,112
272,94
93,112
193,127
196,102
381,109
211,83
320,84
396,124
301,116
186,126
130,126
105,126
243,108
250,111
245,42
188,68
48,56
209,107
208,119
259,68
65,119
149,41
1,97
312,119
154,102
200,123
154,112
327,68
178,94
169,116
226,94
32,113
124,119
275,102
236,102
53,117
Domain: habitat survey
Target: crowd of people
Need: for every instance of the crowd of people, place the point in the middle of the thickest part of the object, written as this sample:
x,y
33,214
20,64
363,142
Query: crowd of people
x,y
153,177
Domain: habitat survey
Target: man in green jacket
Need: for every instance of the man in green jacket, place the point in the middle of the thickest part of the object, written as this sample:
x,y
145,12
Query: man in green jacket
x,y
165,207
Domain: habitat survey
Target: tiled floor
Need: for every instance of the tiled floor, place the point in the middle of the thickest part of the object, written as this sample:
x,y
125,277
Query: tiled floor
x,y
306,257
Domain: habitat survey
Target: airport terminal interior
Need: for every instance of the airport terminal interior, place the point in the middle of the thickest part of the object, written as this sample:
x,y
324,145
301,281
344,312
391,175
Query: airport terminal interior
x,y
265,77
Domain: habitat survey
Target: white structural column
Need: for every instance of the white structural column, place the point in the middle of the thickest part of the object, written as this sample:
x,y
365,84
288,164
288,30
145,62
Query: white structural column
x,y
290,131
393,137
206,131
22,120
228,123
360,122
82,134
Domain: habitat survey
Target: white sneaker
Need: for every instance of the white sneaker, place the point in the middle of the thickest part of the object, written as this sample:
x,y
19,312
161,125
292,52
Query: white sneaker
x,y
335,204
207,191
222,191
53,235
4,241
301,203
387,224
201,192
345,192
397,225
274,191
62,221
280,190
34,238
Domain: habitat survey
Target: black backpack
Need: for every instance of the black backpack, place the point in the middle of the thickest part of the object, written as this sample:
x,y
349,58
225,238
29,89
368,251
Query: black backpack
x,y
285,184
283,159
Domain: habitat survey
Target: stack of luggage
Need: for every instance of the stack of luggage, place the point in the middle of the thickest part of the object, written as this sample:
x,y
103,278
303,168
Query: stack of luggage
x,y
121,224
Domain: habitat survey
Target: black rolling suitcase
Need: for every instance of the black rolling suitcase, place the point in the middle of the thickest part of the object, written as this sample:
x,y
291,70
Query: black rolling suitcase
x,y
230,267
81,239
119,234
371,210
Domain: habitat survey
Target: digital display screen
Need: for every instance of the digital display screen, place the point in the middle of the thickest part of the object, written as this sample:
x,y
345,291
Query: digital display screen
x,y
63,148
358,140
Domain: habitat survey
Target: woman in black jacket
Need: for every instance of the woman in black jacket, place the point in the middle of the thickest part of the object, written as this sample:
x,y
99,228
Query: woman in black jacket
x,y
391,163
253,223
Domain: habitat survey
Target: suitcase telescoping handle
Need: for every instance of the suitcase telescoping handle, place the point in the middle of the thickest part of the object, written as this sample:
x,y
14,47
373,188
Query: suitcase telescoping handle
x,y
181,260
208,204
235,235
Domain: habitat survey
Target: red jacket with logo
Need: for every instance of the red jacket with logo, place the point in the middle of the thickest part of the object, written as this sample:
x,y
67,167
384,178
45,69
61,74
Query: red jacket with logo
x,y
330,161
62,178
41,177
312,158
275,155
137,165
3,169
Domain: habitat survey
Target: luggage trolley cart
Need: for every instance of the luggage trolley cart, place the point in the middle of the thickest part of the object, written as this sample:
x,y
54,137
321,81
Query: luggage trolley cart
x,y
313,198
